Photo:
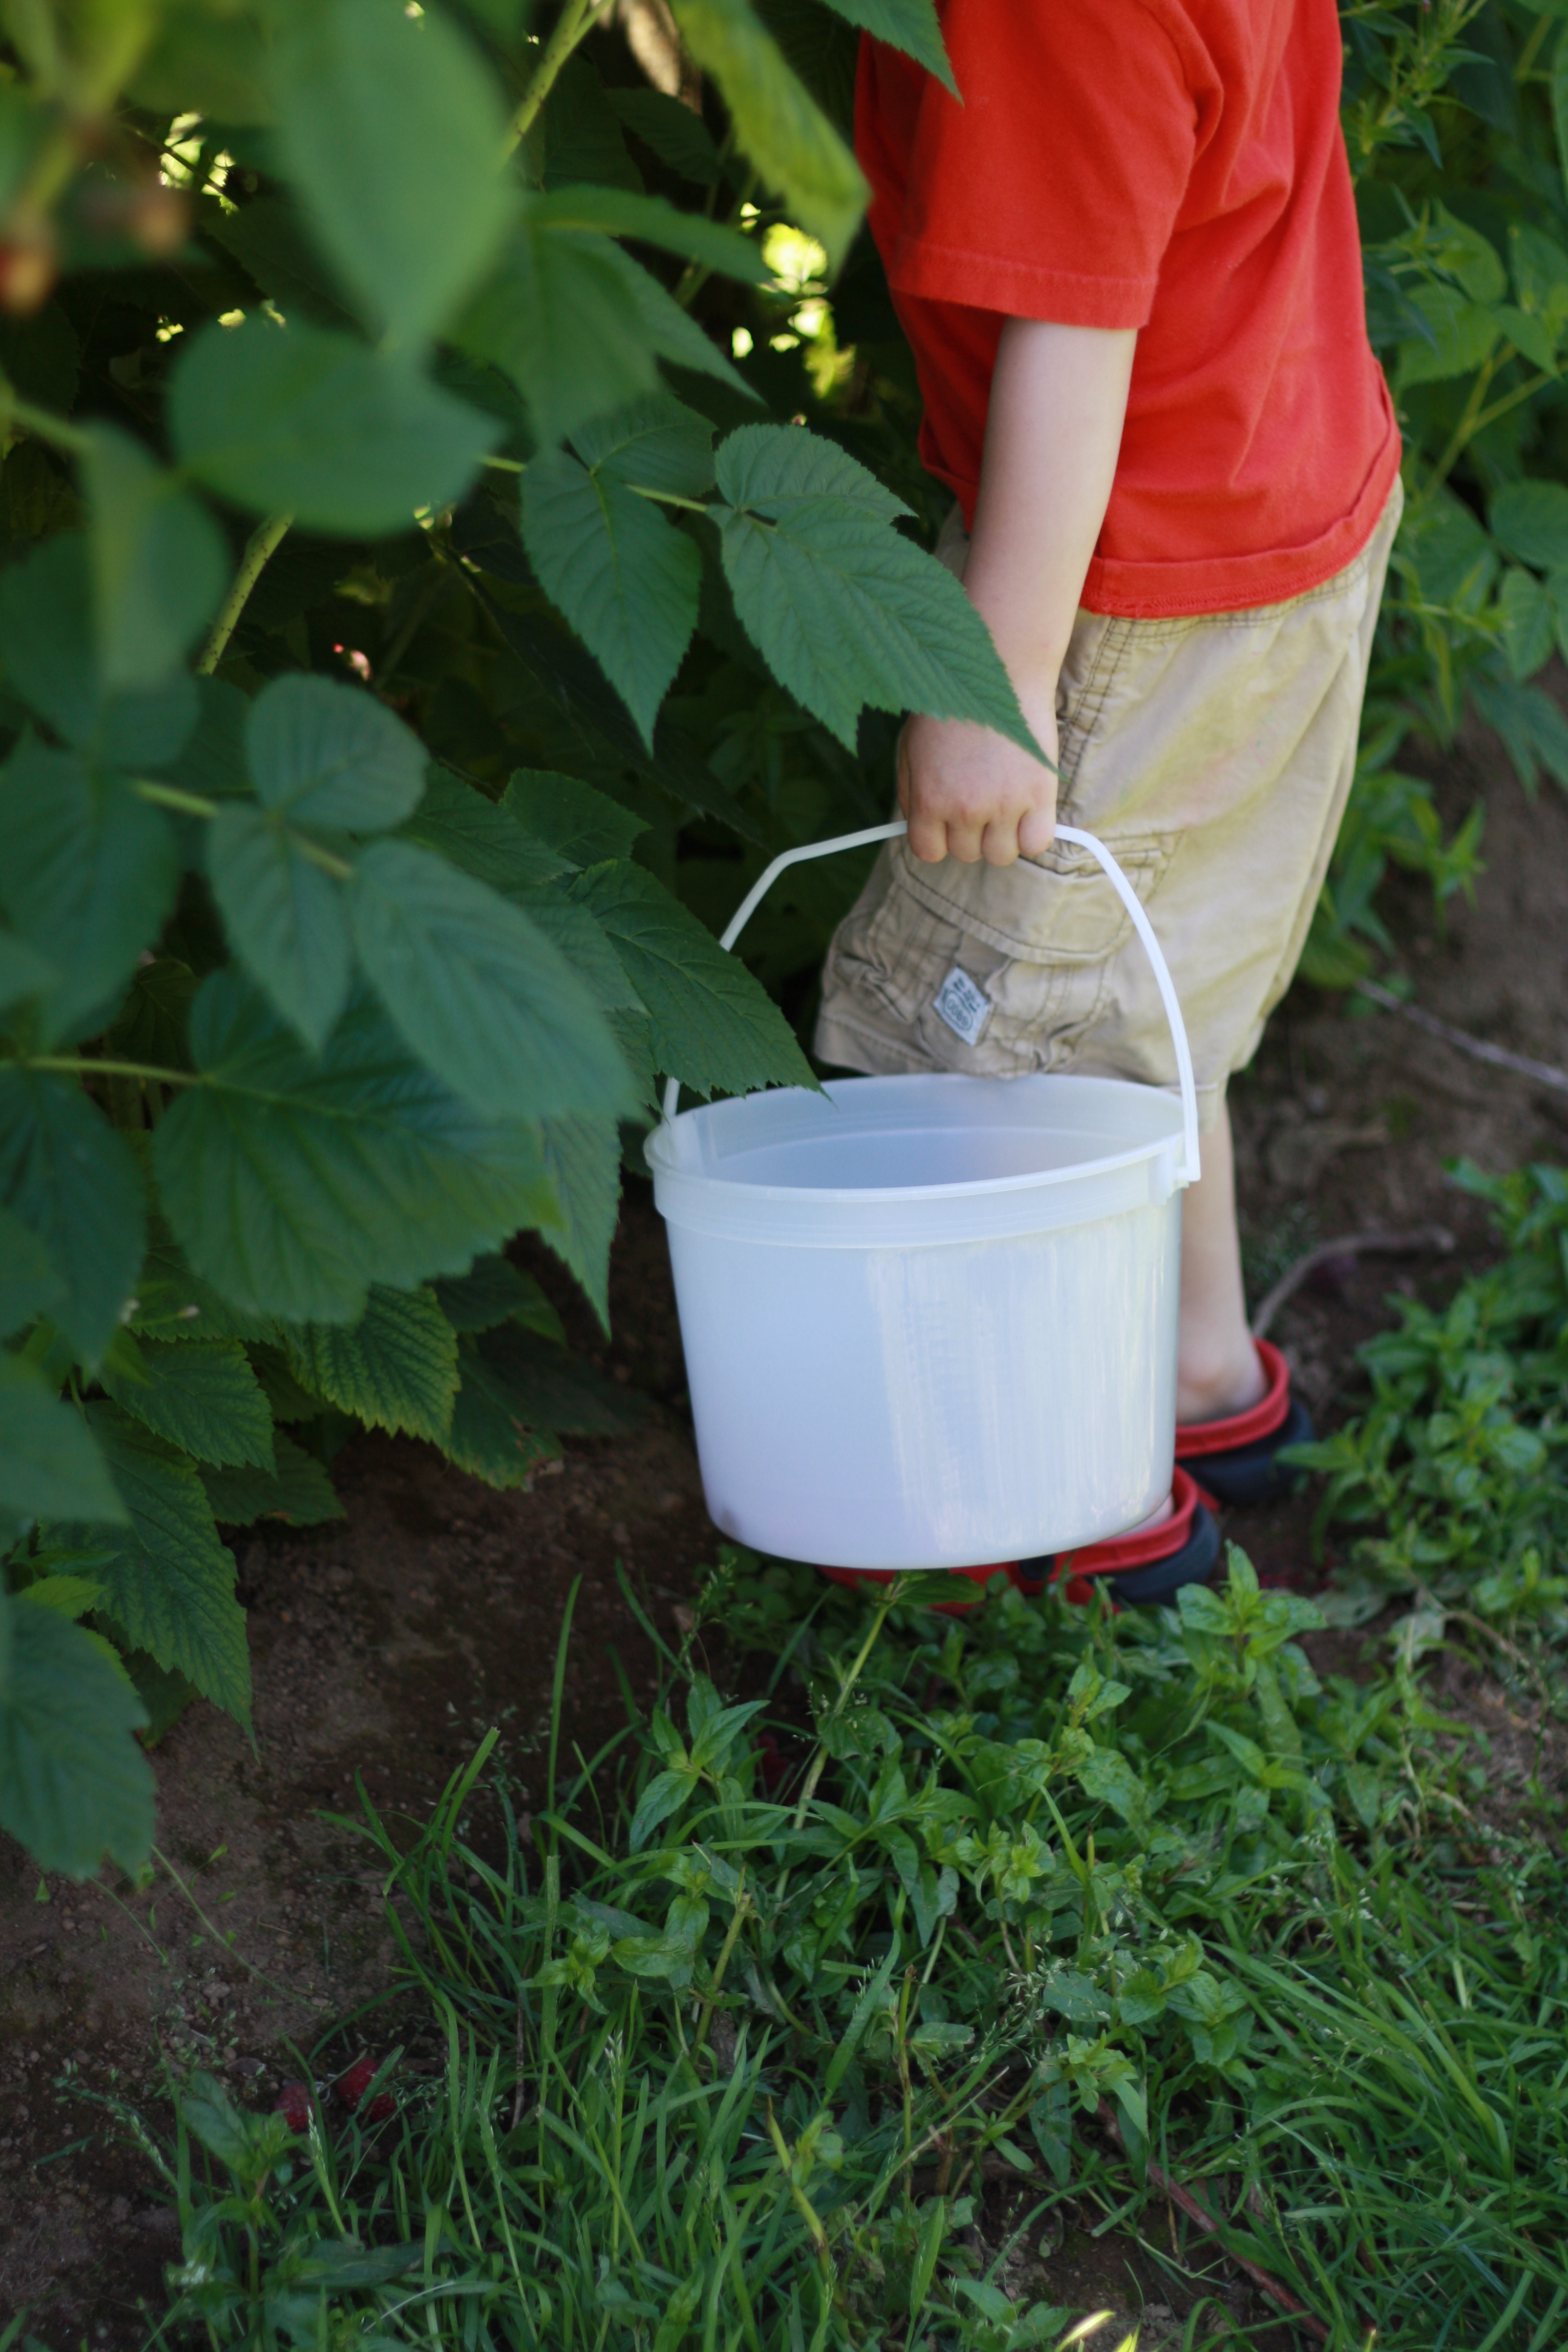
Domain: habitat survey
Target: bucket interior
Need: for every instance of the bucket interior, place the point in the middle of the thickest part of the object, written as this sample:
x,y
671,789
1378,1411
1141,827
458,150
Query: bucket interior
x,y
922,1132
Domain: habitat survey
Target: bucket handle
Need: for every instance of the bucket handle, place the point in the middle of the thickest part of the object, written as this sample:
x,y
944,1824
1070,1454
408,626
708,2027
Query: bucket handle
x,y
1190,1169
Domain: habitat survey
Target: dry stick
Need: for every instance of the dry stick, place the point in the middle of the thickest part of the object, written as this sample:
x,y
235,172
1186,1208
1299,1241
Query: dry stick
x,y
1423,1241
1207,2222
1522,1065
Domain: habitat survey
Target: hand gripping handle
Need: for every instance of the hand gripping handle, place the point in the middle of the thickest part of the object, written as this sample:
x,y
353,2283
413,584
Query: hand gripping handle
x,y
1190,1169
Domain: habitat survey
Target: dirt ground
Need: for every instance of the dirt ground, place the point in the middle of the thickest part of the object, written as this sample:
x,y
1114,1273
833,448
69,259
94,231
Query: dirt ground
x,y
385,1645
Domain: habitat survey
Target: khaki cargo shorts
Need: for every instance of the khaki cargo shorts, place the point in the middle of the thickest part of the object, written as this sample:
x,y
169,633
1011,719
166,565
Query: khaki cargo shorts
x,y
1213,756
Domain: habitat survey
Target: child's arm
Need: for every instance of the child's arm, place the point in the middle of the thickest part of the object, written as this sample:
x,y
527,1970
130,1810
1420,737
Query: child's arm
x,y
1058,400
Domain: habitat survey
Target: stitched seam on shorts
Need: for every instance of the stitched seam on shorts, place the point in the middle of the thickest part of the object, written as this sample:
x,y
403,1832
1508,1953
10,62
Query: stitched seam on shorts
x,y
1089,710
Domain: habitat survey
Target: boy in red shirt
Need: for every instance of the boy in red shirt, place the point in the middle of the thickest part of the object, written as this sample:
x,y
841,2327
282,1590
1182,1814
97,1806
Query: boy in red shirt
x,y
1129,267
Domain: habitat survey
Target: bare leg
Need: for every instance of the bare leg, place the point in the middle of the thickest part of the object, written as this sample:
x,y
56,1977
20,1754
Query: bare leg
x,y
1217,1369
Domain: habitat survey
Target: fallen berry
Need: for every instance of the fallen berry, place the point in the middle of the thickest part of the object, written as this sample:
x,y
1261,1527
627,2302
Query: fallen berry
x,y
380,2107
352,2086
293,2104
772,1761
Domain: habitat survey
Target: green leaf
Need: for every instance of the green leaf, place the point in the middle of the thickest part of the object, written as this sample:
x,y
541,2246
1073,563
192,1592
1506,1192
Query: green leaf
x,y
158,561
49,1466
391,134
777,121
1559,105
488,1436
200,1394
1540,271
324,753
655,442
617,212
494,1291
284,919
909,25
578,326
293,1181
75,1184
714,1026
73,1785
583,1159
676,134
70,1596
298,1491
268,239
492,843
843,610
1461,335
478,993
581,825
28,1282
627,582
88,873
22,972
1526,611
1530,520
47,628
169,1583
549,1390
175,1304
301,421
396,1369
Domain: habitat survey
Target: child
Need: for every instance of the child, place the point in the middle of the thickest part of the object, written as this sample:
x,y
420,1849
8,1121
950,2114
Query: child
x,y
1129,268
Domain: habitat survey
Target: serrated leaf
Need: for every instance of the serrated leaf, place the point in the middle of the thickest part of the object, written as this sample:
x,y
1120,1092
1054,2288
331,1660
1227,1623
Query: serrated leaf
x,y
266,237
150,1024
73,1785
579,326
844,611
1530,520
49,1466
299,1490
200,1395
488,1436
495,1291
172,1302
169,1582
489,842
69,1597
52,662
28,1282
619,212
88,872
777,121
583,1156
298,420
292,1181
581,825
477,992
285,917
391,134
675,133
1527,617
22,972
550,1390
625,579
587,949
912,25
159,560
655,442
396,1369
212,758
324,753
714,1026
75,1184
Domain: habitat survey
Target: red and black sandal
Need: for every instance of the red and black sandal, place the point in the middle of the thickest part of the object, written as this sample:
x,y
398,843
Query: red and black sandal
x,y
1144,1568
1236,1461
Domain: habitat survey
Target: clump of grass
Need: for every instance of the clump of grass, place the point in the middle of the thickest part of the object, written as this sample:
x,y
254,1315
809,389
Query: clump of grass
x,y
786,2042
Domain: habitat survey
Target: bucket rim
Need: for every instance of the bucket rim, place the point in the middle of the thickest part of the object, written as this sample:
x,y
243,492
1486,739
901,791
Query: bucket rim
x,y
669,1171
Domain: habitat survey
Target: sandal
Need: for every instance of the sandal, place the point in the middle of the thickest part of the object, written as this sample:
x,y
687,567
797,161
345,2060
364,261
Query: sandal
x,y
1236,1460
1145,1568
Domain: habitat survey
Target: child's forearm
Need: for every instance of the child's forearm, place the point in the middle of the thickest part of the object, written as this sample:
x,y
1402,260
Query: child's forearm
x,y
1058,397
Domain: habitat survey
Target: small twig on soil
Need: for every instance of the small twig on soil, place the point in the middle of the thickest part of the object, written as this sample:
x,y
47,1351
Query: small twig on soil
x,y
1423,1241
1522,1065
1206,2220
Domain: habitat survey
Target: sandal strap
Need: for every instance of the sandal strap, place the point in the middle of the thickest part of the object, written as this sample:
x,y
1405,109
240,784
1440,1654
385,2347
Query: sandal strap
x,y
1196,1438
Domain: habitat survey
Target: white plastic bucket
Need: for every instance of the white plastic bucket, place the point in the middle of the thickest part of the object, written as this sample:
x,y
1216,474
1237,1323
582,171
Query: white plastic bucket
x,y
930,1321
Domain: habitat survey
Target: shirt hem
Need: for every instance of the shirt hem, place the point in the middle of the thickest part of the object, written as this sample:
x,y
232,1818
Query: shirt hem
x,y
1018,289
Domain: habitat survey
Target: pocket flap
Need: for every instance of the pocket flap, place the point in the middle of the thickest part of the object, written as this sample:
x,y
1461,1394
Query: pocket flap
x,y
1058,907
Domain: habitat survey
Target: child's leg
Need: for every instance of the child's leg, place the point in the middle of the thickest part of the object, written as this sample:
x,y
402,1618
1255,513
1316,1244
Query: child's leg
x,y
1217,1367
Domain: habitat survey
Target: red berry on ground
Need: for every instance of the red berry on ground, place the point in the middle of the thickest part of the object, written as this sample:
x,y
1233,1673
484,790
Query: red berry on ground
x,y
380,2107
352,2086
293,2104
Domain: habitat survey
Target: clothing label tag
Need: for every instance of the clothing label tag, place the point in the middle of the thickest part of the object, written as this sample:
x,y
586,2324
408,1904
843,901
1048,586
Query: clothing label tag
x,y
964,1007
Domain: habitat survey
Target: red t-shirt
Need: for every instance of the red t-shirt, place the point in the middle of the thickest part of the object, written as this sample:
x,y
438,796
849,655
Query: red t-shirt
x,y
1172,165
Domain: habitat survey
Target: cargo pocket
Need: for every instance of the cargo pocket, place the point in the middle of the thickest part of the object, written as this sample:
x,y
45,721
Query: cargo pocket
x,y
1003,969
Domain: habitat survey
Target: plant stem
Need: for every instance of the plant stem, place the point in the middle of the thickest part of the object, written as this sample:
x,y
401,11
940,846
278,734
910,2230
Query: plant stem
x,y
170,796
14,410
261,544
669,498
570,27
82,1066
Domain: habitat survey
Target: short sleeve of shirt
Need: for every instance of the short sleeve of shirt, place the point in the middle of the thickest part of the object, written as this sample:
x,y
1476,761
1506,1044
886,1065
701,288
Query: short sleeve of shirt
x,y
1051,191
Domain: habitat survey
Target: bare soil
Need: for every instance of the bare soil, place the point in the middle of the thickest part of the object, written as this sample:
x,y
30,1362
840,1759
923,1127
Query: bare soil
x,y
385,1645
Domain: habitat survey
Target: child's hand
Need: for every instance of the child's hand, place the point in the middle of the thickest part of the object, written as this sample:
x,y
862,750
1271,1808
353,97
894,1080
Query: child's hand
x,y
969,793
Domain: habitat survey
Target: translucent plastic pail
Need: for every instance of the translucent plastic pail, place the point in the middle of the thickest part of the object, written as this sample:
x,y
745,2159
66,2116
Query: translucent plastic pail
x,y
930,1321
